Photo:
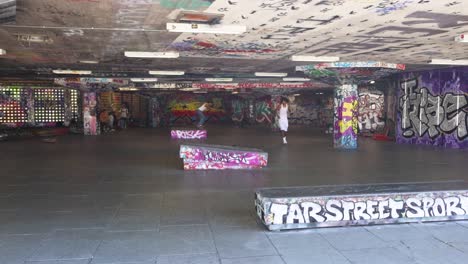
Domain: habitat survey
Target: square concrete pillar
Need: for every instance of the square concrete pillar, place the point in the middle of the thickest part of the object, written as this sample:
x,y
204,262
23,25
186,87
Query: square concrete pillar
x,y
346,117
90,115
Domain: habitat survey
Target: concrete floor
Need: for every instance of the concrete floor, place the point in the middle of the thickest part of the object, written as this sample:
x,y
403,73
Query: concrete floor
x,y
123,198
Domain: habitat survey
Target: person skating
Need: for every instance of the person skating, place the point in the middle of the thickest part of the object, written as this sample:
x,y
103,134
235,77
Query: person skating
x,y
283,118
201,114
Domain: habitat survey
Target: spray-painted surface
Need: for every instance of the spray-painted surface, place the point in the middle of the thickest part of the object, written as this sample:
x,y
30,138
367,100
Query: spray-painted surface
x,y
337,28
357,72
182,107
202,156
188,134
346,117
371,111
90,124
433,108
325,206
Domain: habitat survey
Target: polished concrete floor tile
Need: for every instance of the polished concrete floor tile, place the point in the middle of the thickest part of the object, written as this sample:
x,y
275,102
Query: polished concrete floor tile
x,y
191,239
300,241
69,244
377,255
432,251
70,261
314,255
15,249
134,246
254,260
238,242
398,232
142,202
447,232
189,259
352,238
128,220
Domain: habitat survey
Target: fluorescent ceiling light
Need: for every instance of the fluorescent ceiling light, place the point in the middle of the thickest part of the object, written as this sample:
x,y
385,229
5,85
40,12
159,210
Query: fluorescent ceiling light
x,y
449,62
166,72
144,54
128,89
144,79
89,61
78,72
189,89
314,58
205,28
293,79
235,92
296,94
218,79
271,74
2,52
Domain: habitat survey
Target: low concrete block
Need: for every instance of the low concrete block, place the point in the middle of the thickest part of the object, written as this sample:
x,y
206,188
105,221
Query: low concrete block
x,y
326,206
203,156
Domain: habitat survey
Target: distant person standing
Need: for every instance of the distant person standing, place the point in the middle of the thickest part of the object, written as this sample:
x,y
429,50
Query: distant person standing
x,y
283,118
201,114
123,116
111,121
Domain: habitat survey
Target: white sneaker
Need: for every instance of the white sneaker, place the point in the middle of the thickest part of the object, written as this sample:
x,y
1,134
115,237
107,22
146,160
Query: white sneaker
x,y
284,141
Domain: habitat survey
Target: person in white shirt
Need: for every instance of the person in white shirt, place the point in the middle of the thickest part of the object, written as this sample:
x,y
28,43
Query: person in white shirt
x,y
283,117
201,114
124,113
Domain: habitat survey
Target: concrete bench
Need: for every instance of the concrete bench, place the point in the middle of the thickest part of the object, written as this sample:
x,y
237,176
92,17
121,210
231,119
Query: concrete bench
x,y
216,157
188,134
328,206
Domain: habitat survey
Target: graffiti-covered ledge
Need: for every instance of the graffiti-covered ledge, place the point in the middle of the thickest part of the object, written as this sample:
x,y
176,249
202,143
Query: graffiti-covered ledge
x,y
329,206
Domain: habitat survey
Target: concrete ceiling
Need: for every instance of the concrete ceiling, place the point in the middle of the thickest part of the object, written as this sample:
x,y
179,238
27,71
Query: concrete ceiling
x,y
50,34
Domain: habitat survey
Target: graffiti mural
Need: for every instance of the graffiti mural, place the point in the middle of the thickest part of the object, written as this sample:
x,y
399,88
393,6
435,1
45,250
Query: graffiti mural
x,y
201,156
188,134
90,123
310,110
346,117
433,109
264,111
206,48
280,208
238,110
182,108
371,111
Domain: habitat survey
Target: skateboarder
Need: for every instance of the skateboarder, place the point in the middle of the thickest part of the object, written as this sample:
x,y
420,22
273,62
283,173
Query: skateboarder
x,y
201,114
283,117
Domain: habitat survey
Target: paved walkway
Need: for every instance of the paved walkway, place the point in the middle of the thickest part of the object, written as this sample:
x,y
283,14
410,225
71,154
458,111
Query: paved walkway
x,y
123,198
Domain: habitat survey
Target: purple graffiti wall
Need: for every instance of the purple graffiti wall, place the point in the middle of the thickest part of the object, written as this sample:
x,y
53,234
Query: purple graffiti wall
x,y
433,108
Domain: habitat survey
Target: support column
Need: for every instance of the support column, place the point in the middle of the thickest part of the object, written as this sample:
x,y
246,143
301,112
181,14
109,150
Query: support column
x,y
67,102
90,123
346,117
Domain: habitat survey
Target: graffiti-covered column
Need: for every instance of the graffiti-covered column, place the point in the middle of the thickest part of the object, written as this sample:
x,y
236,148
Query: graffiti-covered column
x,y
90,123
346,117
153,113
